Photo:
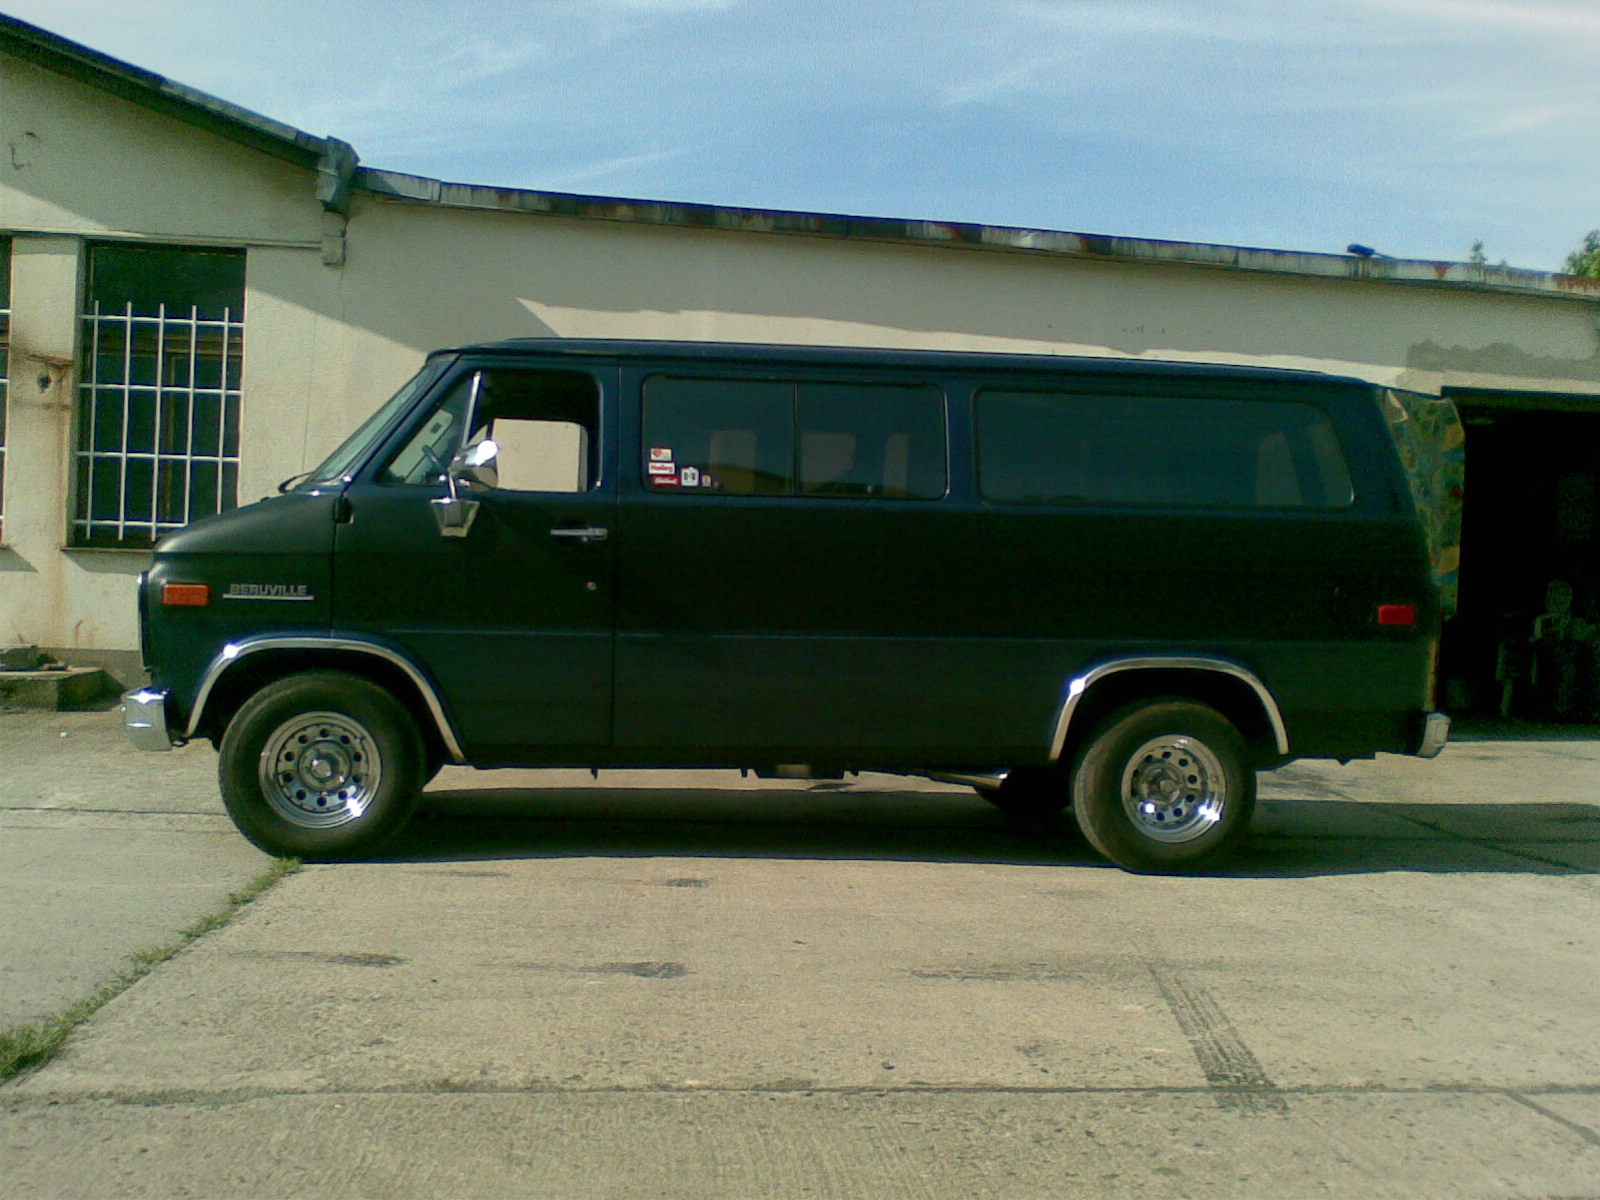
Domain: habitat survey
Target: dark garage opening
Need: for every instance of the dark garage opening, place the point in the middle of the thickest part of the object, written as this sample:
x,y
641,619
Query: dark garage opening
x,y
1525,643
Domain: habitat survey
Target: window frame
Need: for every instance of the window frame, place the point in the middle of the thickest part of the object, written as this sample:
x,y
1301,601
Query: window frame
x,y
181,463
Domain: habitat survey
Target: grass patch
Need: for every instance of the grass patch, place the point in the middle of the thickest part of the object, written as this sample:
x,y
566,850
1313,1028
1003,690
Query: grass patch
x,y
24,1047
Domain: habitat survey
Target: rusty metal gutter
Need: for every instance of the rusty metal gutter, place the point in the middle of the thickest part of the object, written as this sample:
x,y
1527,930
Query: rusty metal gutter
x,y
392,185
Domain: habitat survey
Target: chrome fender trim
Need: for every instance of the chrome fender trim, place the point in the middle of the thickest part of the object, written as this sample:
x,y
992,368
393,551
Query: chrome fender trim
x,y
1080,686
234,651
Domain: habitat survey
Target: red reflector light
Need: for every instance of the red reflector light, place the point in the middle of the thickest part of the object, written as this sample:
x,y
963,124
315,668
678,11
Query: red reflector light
x,y
1397,614
186,595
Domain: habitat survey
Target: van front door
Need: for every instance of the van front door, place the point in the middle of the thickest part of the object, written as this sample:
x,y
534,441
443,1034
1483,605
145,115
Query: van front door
x,y
513,620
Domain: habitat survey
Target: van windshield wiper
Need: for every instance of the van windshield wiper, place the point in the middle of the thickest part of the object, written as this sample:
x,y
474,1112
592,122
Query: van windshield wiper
x,y
292,480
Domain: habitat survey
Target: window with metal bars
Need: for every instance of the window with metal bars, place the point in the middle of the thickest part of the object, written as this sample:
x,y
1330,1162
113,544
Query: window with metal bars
x,y
5,368
158,398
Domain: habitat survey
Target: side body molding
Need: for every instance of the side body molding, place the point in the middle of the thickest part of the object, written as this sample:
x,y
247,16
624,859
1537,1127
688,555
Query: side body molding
x,y
1079,687
341,643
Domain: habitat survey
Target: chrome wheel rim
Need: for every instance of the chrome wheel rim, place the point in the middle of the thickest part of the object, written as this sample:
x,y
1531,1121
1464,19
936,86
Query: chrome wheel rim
x,y
1174,789
320,769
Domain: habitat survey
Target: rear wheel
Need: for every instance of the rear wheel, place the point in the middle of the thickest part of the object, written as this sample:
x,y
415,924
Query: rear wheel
x,y
321,765
1163,785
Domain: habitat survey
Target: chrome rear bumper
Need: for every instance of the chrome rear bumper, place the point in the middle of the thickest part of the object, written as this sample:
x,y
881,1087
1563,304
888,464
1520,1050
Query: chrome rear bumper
x,y
144,717
1435,733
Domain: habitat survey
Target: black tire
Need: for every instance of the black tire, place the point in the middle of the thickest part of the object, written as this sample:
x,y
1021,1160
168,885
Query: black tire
x,y
321,765
1163,785
1030,795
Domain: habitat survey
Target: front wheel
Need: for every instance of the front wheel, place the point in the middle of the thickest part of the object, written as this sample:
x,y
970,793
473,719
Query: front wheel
x,y
1163,785
321,765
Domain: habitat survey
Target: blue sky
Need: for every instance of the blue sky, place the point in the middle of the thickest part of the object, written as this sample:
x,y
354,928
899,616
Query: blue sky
x,y
1414,126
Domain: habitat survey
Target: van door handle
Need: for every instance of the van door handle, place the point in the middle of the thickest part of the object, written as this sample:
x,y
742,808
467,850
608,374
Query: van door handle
x,y
582,533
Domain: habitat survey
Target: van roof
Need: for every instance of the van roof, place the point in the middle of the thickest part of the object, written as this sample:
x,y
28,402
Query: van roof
x,y
858,356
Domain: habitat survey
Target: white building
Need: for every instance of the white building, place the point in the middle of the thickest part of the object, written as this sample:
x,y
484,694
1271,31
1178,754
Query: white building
x,y
203,301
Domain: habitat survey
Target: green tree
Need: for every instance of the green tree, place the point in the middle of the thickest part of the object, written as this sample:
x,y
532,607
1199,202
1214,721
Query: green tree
x,y
1585,260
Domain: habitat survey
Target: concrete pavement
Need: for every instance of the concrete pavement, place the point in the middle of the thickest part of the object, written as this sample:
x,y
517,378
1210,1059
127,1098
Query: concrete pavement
x,y
667,986
105,851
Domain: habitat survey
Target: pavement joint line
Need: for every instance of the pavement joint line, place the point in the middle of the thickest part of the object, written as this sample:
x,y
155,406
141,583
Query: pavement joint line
x,y
27,1047
1497,846
115,812
58,818
177,1096
1445,835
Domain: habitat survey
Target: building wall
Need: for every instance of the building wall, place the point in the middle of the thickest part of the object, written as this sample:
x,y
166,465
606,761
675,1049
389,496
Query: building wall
x,y
420,276
85,162
83,165
325,344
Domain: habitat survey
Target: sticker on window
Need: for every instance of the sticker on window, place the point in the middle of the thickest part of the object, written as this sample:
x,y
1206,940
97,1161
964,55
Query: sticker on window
x,y
660,454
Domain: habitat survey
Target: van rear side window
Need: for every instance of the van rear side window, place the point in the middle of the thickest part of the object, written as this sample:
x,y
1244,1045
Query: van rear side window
x,y
764,437
1066,448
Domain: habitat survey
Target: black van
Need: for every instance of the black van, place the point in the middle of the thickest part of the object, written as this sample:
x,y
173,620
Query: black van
x,y
1121,586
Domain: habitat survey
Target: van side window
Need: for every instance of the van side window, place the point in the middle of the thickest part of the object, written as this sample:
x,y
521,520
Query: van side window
x,y
870,440
1063,448
727,435
546,424
764,437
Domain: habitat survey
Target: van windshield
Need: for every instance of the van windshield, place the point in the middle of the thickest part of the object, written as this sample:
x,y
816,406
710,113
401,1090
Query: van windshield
x,y
338,465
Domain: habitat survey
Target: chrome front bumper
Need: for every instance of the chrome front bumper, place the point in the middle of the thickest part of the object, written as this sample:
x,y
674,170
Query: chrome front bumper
x,y
144,717
1435,733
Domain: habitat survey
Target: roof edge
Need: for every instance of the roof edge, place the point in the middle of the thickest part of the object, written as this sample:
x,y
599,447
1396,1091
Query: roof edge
x,y
1372,268
187,104
804,352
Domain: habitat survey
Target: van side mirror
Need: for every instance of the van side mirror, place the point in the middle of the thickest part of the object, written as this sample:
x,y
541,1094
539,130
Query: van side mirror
x,y
472,467
477,465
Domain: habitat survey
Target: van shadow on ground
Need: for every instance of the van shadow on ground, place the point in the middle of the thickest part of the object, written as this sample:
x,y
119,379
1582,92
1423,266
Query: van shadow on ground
x,y
1477,728
1290,837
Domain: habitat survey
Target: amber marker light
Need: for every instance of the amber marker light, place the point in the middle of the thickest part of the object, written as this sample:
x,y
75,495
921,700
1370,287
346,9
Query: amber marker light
x,y
185,595
1397,614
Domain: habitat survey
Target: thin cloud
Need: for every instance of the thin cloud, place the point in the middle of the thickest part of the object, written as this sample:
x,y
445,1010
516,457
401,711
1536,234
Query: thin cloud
x,y
479,59
1576,19
1003,83
577,178
671,7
